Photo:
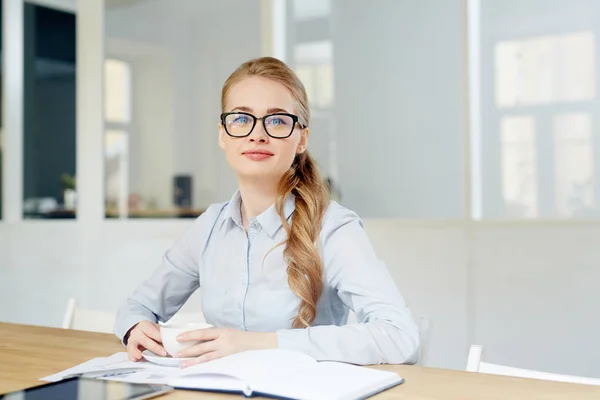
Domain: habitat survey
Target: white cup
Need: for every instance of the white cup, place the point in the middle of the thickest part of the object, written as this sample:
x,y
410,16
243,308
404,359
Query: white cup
x,y
170,331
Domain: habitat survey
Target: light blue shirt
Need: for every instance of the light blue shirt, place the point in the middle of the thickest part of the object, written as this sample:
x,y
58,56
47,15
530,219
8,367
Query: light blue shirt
x,y
243,289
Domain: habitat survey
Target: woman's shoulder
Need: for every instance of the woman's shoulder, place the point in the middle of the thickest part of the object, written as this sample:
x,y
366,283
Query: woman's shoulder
x,y
337,216
212,212
219,211
206,221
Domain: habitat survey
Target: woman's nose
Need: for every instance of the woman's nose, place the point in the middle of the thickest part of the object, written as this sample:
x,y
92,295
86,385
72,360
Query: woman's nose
x,y
258,133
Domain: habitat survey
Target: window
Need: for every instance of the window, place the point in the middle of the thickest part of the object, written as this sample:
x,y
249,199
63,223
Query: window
x,y
116,172
545,70
548,73
311,9
49,113
311,56
314,66
117,100
536,145
574,165
163,73
117,114
519,172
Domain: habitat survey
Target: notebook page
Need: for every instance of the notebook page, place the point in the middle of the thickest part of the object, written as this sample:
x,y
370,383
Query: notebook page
x,y
329,381
254,365
210,381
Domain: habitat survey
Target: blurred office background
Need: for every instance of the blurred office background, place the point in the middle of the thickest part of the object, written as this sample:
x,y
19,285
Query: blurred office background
x,y
464,132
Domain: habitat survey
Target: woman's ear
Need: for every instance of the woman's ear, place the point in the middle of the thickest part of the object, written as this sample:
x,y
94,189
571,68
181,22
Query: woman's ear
x,y
303,141
222,136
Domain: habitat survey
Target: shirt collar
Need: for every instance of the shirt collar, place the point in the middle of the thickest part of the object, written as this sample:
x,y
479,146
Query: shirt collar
x,y
234,208
269,220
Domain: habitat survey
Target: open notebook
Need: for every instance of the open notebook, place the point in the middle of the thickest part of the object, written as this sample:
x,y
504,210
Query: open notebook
x,y
285,374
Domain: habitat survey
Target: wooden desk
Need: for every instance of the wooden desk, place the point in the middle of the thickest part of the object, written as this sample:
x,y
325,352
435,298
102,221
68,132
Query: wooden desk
x,y
28,353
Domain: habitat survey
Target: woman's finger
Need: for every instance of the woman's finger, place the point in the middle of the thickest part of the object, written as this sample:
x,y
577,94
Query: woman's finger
x,y
154,347
198,349
152,332
200,334
134,353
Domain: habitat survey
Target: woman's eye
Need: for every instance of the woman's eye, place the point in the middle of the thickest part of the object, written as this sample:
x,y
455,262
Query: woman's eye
x,y
241,120
277,121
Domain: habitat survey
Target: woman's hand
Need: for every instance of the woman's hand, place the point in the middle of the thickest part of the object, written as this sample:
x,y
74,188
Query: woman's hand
x,y
144,335
219,343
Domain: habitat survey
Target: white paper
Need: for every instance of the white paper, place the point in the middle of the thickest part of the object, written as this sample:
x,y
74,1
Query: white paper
x,y
104,367
155,374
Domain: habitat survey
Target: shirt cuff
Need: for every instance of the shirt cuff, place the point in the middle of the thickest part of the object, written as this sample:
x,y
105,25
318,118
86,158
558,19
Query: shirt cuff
x,y
124,326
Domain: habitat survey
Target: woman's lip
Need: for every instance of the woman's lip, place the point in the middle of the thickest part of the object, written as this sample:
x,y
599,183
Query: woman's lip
x,y
257,156
268,153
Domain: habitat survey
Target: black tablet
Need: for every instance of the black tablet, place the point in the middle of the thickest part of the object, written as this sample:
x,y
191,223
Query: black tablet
x,y
89,389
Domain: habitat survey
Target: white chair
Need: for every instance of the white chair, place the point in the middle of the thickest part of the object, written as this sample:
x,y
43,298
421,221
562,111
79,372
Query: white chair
x,y
86,319
424,339
474,364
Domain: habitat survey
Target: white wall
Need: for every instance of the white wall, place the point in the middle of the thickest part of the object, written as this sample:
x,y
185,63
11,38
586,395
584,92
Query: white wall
x,y
536,297
43,264
429,263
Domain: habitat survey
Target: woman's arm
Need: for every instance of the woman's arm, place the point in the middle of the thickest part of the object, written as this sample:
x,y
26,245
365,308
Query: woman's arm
x,y
173,282
387,333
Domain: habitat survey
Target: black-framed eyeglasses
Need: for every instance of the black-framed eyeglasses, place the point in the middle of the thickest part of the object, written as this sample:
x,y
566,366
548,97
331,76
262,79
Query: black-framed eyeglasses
x,y
241,124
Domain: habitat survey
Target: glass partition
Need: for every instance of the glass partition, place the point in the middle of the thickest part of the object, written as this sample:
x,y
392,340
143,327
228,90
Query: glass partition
x,y
49,178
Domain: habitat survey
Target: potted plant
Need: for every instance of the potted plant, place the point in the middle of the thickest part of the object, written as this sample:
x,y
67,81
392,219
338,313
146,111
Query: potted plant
x,y
69,193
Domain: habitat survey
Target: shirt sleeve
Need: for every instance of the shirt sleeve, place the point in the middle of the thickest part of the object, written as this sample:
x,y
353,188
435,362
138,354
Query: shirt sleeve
x,y
172,283
386,333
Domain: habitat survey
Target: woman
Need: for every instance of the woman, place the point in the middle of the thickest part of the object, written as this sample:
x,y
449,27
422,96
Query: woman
x,y
280,264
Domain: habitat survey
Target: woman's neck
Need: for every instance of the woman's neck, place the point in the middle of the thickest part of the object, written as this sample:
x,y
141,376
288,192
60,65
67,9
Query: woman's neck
x,y
256,198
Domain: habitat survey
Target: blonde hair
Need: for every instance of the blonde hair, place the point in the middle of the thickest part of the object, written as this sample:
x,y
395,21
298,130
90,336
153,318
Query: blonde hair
x,y
303,180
